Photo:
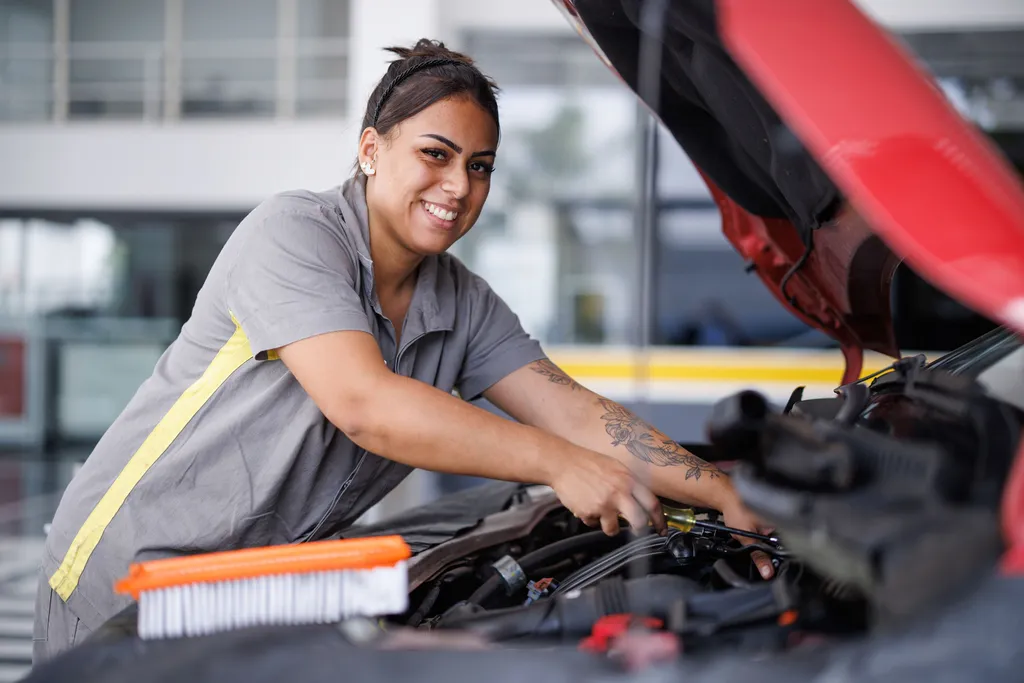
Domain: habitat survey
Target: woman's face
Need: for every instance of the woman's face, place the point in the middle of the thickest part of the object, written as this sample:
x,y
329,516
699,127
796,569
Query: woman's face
x,y
432,174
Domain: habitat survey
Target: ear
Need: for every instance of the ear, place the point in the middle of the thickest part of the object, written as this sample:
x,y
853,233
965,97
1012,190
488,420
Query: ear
x,y
368,143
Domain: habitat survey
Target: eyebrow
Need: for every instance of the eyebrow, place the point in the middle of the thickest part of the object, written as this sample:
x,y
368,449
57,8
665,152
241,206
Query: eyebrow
x,y
458,150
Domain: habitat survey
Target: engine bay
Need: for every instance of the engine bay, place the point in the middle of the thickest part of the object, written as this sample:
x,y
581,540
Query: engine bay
x,y
884,500
557,583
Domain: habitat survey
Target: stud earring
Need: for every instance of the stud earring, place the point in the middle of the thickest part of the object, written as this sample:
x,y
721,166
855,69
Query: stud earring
x,y
368,168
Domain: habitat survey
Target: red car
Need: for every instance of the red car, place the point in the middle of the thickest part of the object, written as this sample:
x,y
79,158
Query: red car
x,y
898,505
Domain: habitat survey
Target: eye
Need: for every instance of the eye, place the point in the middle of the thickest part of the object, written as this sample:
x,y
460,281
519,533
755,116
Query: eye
x,y
439,154
481,167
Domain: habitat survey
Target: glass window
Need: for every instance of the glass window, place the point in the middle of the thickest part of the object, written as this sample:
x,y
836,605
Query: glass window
x,y
322,56
26,59
229,58
48,267
556,237
116,58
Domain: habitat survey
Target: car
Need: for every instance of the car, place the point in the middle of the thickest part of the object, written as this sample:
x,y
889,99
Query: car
x,y
897,504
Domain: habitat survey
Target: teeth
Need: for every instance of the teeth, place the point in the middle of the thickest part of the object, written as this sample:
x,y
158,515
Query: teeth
x,y
439,212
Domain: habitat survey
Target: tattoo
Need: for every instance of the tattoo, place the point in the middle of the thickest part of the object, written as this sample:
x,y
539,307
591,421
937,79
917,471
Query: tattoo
x,y
650,445
555,374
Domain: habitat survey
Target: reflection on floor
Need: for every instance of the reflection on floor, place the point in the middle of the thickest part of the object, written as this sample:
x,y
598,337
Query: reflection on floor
x,y
30,487
19,574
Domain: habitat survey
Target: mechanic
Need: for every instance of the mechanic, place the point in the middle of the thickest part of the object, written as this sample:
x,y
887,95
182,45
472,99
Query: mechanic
x,y
318,368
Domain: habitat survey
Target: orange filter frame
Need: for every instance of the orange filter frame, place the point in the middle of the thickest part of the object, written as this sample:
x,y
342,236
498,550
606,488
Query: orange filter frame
x,y
230,565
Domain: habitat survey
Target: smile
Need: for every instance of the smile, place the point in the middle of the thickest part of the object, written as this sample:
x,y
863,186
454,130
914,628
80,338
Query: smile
x,y
443,214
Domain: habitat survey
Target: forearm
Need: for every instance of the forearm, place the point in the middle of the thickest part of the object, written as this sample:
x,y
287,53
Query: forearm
x,y
666,467
410,422
600,424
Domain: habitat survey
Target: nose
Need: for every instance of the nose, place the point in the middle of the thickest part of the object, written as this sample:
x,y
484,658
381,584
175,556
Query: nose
x,y
456,181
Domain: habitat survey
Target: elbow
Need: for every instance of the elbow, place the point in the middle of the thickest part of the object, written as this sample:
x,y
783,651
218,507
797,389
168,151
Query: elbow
x,y
354,412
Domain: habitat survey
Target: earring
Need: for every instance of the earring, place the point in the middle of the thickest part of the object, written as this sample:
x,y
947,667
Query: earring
x,y
368,168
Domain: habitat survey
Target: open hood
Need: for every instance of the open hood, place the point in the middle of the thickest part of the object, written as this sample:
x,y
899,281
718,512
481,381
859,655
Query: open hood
x,y
796,111
780,210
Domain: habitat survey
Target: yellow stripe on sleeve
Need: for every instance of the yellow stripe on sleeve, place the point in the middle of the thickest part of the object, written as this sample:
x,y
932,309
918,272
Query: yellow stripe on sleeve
x,y
228,359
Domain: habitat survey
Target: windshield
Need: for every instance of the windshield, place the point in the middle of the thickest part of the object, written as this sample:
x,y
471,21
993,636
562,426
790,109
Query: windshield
x,y
975,357
996,360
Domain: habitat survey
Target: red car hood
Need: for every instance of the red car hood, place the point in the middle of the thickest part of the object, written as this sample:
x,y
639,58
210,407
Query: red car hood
x,y
810,94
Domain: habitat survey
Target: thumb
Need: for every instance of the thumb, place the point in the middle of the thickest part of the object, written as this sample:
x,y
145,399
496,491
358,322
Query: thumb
x,y
763,563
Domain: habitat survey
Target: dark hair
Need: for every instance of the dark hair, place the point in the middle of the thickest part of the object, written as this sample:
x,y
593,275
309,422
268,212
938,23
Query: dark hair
x,y
424,74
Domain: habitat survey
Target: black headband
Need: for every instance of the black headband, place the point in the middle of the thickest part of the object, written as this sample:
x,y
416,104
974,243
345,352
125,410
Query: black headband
x,y
402,75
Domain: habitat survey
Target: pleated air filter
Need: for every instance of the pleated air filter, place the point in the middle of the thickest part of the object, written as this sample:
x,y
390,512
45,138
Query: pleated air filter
x,y
321,582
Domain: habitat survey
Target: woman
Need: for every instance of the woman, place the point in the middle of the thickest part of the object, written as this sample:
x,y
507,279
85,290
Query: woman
x,y
318,366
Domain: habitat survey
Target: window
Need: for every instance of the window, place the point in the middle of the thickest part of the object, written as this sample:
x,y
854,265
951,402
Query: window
x,y
50,267
26,59
229,57
321,57
555,239
115,58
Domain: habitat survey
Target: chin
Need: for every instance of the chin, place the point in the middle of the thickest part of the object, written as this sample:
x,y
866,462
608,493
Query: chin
x,y
430,247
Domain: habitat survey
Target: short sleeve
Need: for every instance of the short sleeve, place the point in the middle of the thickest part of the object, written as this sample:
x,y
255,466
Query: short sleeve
x,y
293,277
498,345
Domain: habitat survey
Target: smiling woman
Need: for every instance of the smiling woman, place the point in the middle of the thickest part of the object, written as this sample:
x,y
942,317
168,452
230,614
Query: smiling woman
x,y
318,366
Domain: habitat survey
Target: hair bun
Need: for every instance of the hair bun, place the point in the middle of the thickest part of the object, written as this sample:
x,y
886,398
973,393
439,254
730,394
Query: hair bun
x,y
425,48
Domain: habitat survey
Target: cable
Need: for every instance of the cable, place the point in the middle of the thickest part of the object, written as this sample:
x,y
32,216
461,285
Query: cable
x,y
538,558
647,546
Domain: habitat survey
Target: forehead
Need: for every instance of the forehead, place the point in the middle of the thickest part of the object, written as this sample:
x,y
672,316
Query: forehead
x,y
460,119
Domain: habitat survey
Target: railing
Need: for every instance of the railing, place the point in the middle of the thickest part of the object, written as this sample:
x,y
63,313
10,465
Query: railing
x,y
160,81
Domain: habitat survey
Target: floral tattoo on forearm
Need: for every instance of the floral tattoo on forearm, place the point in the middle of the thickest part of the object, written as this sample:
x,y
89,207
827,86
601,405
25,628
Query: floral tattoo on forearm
x,y
555,374
626,429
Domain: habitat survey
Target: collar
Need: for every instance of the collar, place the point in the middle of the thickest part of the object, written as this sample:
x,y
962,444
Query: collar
x,y
433,304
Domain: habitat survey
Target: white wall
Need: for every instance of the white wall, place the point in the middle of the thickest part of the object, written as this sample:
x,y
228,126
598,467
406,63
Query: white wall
x,y
377,24
945,14
215,166
515,15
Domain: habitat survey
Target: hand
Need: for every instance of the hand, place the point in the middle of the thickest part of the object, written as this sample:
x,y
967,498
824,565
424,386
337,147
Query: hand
x,y
598,489
739,517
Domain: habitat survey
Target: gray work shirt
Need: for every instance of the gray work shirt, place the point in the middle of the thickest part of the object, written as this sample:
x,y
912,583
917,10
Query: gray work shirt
x,y
221,448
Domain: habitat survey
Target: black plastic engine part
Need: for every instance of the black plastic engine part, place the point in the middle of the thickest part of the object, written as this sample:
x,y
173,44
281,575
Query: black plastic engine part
x,y
899,500
675,599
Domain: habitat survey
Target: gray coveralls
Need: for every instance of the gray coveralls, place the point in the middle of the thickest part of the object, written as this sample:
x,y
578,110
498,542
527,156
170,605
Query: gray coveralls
x,y
221,448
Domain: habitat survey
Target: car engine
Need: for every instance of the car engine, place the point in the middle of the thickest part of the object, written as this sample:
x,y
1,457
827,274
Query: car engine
x,y
884,501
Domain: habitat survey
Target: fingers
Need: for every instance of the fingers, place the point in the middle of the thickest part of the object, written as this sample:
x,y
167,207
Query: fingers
x,y
633,513
650,506
763,564
610,523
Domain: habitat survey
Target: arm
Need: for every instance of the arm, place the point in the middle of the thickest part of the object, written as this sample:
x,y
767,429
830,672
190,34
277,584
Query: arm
x,y
542,395
413,423
293,283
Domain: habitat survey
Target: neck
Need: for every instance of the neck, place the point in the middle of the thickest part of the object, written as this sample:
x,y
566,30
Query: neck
x,y
394,266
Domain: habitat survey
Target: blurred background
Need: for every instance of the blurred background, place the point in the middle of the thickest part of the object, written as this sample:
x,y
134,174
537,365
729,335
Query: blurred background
x,y
135,135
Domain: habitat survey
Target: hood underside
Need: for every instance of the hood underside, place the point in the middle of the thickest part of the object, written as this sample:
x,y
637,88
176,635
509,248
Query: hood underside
x,y
779,209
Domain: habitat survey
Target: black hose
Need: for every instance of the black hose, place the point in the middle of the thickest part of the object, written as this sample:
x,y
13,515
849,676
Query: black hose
x,y
538,558
434,592
855,400
730,576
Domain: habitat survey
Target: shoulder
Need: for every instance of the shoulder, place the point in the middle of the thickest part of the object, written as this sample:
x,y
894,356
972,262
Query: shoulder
x,y
468,284
299,204
297,218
